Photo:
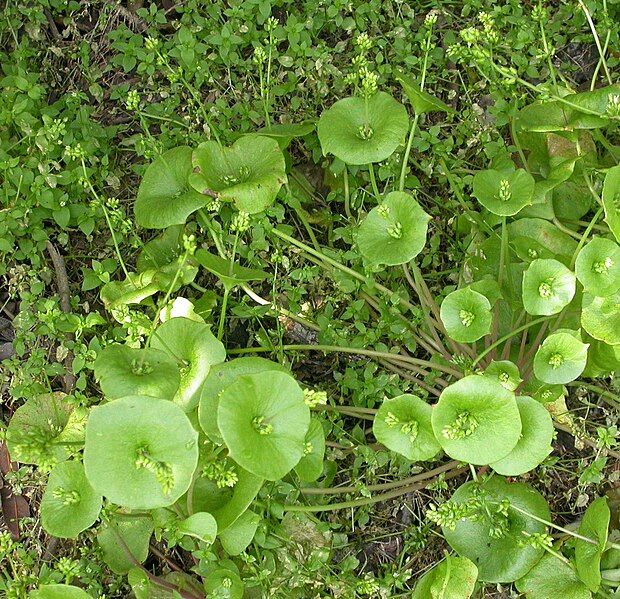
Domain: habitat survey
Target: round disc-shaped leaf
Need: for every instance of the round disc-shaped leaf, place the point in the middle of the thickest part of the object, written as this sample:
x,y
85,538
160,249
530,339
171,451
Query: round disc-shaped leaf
x,y
310,467
501,557
361,131
165,197
560,359
552,577
59,591
598,267
35,426
220,376
454,578
403,424
535,442
195,345
70,505
548,286
466,314
505,372
263,420
224,583
122,371
504,193
394,232
249,173
594,525
476,420
600,317
140,452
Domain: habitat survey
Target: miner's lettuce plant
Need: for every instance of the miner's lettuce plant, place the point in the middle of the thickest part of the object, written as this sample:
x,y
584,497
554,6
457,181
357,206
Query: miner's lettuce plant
x,y
186,435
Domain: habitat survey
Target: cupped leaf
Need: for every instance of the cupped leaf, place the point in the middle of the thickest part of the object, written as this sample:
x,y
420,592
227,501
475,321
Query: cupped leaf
x,y
453,578
221,268
603,359
535,442
560,359
140,452
466,314
70,505
263,420
164,196
197,348
546,234
161,250
362,131
249,173
505,372
236,538
200,525
421,101
552,578
543,392
220,376
310,467
403,424
122,371
58,591
244,492
594,525
124,540
611,200
224,583
598,267
493,539
476,420
600,317
36,426
548,286
393,232
503,193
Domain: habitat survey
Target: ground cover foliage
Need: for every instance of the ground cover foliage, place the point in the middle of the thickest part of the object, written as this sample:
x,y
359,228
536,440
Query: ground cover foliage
x,y
312,299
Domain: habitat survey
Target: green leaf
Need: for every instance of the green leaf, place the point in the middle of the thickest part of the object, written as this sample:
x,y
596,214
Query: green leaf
x,y
263,420
535,442
164,196
221,268
548,286
560,244
70,505
236,538
59,591
362,131
249,173
194,344
476,420
467,315
219,377
393,232
244,492
310,467
552,578
600,317
502,193
560,359
122,371
140,452
594,525
284,133
542,392
598,267
505,373
611,200
200,525
453,578
603,359
501,557
125,541
223,583
162,250
403,425
421,101
36,426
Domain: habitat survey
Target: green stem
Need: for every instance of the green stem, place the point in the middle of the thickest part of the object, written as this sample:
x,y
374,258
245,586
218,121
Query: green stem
x,y
585,235
373,182
356,351
403,168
